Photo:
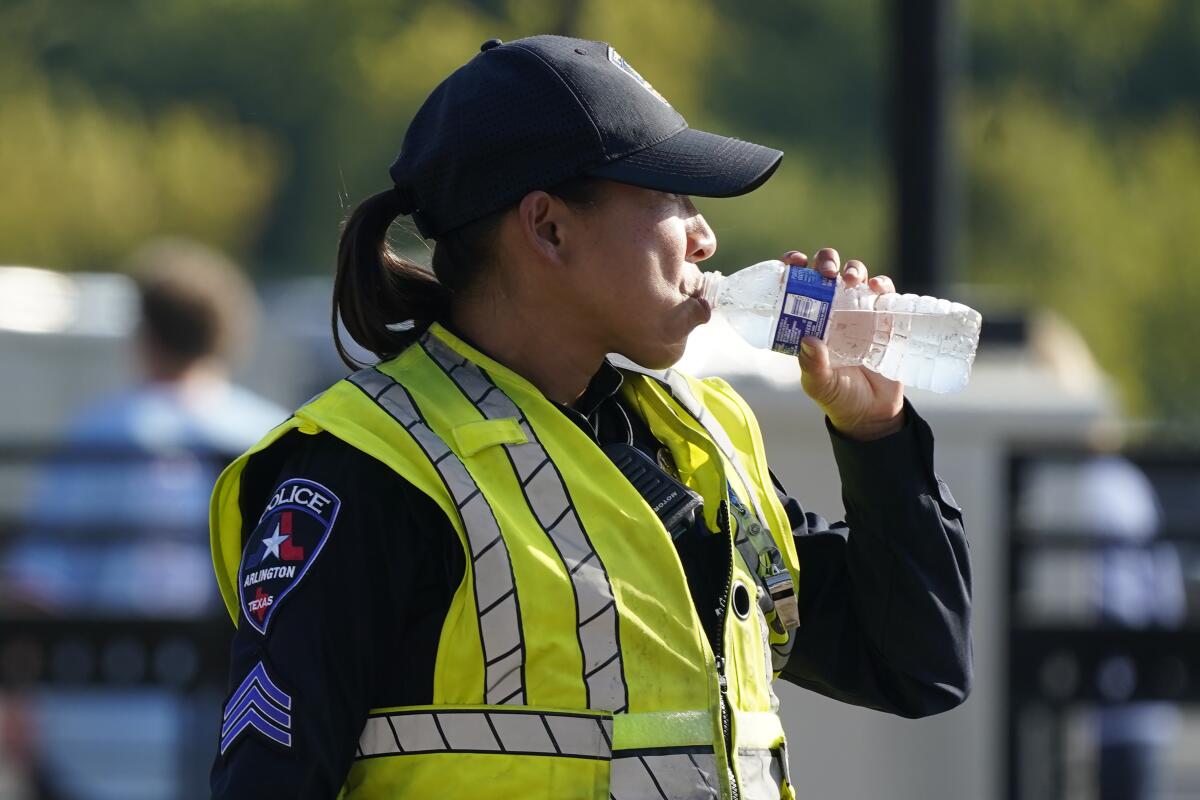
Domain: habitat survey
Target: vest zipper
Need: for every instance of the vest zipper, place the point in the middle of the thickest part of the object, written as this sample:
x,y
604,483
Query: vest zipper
x,y
719,654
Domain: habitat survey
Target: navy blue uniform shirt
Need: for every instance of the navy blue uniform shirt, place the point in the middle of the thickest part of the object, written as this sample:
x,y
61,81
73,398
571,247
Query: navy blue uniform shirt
x,y
884,597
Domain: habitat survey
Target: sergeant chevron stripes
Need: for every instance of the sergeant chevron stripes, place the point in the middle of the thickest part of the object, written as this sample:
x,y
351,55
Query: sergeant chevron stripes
x,y
259,704
546,493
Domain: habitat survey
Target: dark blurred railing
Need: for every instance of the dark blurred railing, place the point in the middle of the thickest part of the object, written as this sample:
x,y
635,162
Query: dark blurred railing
x,y
1053,668
177,654
100,649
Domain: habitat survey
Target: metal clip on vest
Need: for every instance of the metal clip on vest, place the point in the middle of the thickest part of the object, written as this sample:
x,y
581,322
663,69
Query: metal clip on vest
x,y
763,558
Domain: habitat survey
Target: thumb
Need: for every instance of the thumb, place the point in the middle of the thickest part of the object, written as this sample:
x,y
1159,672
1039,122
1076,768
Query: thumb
x,y
817,376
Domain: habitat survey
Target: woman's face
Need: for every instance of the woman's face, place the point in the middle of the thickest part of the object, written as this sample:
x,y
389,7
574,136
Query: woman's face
x,y
635,275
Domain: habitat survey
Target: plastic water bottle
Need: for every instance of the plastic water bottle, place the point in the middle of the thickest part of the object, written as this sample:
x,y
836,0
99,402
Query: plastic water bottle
x,y
923,342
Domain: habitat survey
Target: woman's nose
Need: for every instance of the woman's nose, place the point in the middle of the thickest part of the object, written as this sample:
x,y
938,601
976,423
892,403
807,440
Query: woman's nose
x,y
702,242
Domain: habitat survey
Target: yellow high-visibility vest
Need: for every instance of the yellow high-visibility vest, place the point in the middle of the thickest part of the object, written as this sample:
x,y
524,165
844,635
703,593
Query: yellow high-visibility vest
x,y
572,662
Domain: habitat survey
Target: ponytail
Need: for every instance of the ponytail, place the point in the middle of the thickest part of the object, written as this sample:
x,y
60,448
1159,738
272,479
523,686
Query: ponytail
x,y
375,287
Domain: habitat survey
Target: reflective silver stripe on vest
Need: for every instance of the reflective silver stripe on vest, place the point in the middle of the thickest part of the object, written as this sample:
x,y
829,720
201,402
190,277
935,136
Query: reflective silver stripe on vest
x,y
495,592
508,732
664,774
683,773
546,492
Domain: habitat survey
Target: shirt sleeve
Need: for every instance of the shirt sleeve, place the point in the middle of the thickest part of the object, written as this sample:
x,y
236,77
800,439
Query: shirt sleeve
x,y
885,597
308,660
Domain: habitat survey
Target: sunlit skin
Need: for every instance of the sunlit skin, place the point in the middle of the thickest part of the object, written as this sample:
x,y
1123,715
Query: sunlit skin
x,y
570,285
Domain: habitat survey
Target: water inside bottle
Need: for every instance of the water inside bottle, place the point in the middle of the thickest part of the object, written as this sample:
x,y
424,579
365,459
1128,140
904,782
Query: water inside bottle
x,y
930,351
854,337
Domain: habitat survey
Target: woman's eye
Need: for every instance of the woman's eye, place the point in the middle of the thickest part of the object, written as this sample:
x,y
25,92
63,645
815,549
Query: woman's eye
x,y
684,203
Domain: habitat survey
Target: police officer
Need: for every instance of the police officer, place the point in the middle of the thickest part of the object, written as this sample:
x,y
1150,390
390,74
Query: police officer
x,y
501,564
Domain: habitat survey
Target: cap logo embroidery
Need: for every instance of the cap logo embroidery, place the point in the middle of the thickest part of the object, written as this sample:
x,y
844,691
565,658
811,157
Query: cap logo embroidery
x,y
625,67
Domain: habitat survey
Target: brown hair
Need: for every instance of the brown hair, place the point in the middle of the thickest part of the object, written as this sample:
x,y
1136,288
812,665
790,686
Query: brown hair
x,y
195,303
376,287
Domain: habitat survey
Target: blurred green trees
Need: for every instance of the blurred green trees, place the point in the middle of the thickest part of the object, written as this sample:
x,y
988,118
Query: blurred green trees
x,y
256,124
1081,145
86,181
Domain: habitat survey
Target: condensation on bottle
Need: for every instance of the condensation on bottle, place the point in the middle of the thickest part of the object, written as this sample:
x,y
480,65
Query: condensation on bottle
x,y
921,341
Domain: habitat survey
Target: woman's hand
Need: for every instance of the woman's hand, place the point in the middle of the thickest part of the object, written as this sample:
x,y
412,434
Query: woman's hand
x,y
861,404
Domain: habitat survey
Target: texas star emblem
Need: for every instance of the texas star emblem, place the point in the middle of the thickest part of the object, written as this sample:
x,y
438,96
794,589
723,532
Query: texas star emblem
x,y
289,537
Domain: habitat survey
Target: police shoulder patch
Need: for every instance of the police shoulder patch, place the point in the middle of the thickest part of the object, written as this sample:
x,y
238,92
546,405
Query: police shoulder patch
x,y
287,540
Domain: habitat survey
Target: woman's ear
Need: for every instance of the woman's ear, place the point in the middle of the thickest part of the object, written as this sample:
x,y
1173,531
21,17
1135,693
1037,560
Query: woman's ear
x,y
543,221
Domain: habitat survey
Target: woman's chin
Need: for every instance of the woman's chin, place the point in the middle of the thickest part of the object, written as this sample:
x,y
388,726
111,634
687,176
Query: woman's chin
x,y
661,356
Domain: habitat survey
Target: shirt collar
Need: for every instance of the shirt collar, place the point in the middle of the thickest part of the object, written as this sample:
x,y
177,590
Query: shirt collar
x,y
603,385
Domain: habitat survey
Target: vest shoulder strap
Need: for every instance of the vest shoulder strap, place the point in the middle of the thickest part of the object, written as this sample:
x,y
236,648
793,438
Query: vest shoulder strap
x,y
680,387
348,411
769,557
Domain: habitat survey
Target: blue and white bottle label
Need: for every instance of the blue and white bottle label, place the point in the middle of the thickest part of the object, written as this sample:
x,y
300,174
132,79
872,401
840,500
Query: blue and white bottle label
x,y
806,303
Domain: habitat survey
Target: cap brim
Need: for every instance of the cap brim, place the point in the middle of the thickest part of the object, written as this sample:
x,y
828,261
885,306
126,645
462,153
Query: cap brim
x,y
696,163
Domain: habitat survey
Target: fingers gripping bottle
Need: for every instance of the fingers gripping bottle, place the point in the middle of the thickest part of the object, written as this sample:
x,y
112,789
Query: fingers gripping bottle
x,y
923,342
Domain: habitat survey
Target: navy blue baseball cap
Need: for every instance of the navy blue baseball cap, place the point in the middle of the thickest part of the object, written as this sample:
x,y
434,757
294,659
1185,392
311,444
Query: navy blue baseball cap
x,y
531,113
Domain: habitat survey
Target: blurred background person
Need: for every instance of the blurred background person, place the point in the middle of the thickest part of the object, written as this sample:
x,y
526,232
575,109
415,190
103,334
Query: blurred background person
x,y
1129,581
117,521
140,464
